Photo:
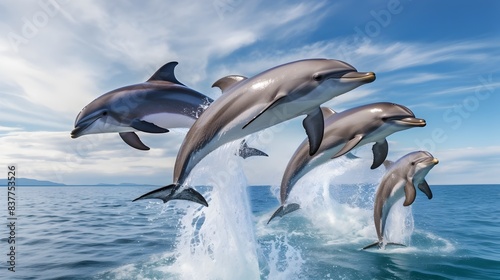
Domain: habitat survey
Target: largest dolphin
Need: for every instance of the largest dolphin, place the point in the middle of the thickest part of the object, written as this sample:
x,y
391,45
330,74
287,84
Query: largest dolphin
x,y
345,131
155,106
400,181
247,106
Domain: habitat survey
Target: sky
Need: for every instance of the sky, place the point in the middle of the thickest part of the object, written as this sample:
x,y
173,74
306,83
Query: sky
x,y
439,58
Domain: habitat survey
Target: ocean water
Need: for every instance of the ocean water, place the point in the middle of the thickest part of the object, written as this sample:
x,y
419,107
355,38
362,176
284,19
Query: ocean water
x,y
99,233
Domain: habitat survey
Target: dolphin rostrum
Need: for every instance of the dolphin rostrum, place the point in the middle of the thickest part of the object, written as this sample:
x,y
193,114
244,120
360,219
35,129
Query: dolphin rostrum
x,y
400,181
249,105
155,106
345,131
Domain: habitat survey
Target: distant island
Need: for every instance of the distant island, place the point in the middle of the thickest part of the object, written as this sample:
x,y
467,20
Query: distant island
x,y
35,182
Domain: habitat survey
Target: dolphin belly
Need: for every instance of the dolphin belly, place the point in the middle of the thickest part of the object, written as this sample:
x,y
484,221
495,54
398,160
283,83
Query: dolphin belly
x,y
169,120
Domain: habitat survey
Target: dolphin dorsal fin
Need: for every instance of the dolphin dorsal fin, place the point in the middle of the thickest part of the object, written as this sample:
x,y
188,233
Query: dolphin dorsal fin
x,y
228,81
388,163
327,112
166,73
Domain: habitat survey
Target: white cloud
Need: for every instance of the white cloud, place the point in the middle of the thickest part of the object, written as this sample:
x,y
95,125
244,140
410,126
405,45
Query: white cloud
x,y
90,159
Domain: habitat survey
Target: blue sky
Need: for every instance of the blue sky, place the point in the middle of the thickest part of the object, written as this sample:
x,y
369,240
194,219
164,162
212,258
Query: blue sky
x,y
440,59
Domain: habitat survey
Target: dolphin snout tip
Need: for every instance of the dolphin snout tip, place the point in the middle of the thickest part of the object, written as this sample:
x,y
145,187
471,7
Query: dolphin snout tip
x,y
422,122
370,77
75,133
435,161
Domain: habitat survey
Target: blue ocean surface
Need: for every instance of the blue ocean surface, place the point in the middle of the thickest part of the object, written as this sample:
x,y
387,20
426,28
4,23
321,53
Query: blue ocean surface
x,y
94,232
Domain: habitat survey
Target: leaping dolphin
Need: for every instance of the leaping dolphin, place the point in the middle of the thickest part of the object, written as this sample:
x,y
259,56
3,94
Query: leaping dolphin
x,y
345,131
249,105
400,181
155,106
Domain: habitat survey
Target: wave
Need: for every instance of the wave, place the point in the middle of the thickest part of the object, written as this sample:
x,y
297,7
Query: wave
x,y
225,240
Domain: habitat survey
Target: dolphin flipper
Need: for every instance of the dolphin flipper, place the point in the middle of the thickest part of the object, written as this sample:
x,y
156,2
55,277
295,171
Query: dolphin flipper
x,y
314,125
410,193
169,192
271,105
380,150
228,81
349,145
424,187
133,140
285,209
246,151
145,126
166,73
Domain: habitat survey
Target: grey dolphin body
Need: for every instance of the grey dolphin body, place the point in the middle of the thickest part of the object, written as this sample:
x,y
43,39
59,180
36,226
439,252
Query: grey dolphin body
x,y
401,180
271,97
343,132
155,106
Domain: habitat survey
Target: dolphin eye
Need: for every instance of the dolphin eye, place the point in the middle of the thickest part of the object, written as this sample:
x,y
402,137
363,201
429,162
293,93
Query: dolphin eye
x,y
412,163
317,77
105,113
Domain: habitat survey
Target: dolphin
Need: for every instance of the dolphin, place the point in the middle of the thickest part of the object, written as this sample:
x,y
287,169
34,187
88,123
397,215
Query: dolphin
x,y
345,131
400,181
249,105
155,106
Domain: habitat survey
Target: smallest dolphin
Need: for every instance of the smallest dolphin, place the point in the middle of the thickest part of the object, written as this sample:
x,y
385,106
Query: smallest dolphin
x,y
400,180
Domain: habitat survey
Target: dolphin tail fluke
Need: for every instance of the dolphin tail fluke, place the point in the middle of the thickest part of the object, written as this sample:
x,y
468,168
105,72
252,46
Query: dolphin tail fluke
x,y
373,245
191,195
172,192
380,245
284,209
395,244
245,151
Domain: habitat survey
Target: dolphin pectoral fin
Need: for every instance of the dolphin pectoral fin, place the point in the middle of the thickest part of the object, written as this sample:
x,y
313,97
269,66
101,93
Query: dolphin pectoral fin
x,y
314,125
271,105
171,192
246,151
380,150
284,209
424,187
133,140
349,145
166,73
145,126
410,193
228,81
375,244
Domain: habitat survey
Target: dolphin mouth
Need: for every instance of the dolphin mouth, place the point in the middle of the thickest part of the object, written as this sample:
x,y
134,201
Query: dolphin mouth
x,y
363,77
411,121
80,128
75,133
